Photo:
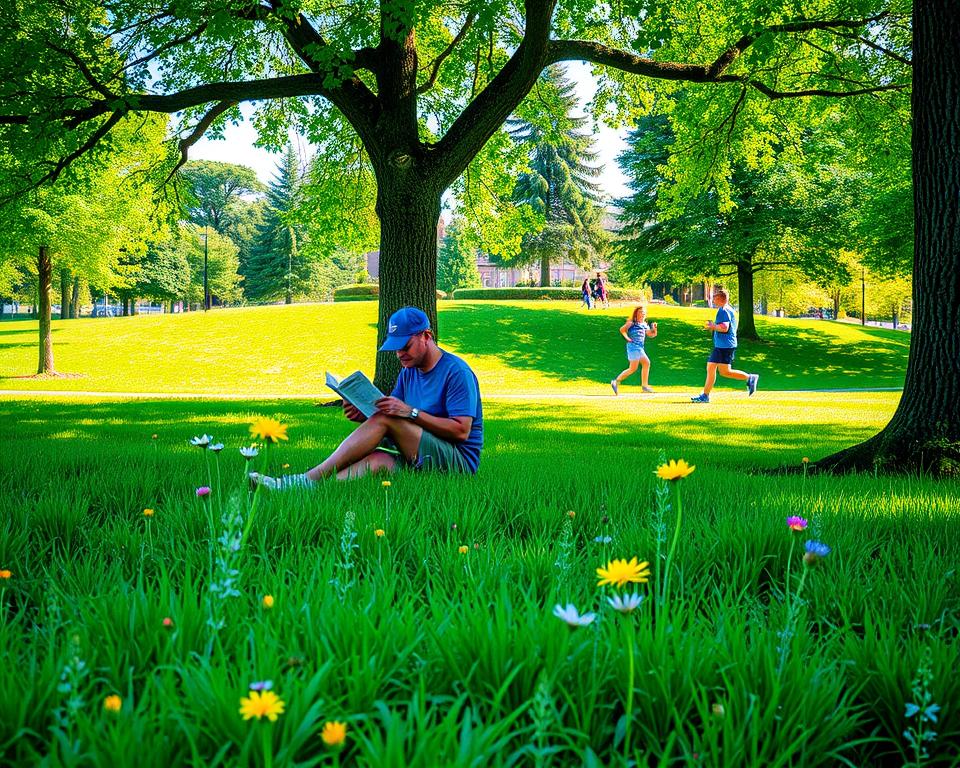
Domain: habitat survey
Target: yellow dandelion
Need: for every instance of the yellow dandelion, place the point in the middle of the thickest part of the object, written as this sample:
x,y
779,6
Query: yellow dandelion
x,y
620,572
260,704
267,601
334,733
112,703
806,459
5,574
386,483
148,513
674,470
286,466
463,549
269,430
379,533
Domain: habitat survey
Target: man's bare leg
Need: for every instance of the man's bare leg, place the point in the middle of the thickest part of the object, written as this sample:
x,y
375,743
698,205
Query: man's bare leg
x,y
711,378
364,440
726,371
378,461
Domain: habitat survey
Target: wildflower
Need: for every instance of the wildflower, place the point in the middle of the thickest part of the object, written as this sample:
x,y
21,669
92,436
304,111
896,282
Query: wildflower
x,y
602,539
286,466
379,533
167,622
201,442
571,514
815,551
112,703
260,704
627,603
571,616
270,430
806,459
261,685
153,436
334,733
148,513
386,483
215,447
674,470
620,572
5,574
718,709
463,549
453,526
203,491
267,602
796,523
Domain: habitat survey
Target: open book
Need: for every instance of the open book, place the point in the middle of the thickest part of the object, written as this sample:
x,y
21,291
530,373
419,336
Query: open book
x,y
357,390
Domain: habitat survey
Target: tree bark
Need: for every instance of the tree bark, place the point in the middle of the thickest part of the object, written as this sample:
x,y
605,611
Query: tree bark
x,y
64,294
924,433
75,299
409,211
545,271
746,326
44,286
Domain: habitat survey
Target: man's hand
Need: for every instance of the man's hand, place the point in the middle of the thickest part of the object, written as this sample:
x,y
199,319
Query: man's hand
x,y
391,406
709,325
351,412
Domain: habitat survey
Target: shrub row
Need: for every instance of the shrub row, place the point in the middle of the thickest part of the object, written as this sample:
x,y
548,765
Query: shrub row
x,y
545,294
364,292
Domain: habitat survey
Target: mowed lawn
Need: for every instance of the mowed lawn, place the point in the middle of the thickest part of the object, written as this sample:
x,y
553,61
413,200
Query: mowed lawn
x,y
515,347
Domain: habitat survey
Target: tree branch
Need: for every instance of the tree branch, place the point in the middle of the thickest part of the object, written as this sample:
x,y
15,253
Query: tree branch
x,y
876,46
585,50
438,62
199,129
485,114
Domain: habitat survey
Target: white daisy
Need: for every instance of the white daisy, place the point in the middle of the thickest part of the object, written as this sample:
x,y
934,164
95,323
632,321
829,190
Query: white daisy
x,y
627,603
201,442
572,617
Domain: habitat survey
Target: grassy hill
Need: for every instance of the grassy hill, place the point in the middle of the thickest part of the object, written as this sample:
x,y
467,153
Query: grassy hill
x,y
515,347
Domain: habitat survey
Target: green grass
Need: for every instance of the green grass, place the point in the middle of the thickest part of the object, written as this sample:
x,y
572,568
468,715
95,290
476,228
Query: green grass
x,y
515,347
437,658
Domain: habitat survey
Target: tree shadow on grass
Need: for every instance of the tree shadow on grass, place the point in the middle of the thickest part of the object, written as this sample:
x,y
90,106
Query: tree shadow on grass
x,y
569,345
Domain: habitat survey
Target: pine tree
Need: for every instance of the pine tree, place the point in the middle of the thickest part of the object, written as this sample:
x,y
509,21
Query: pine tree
x,y
277,266
559,185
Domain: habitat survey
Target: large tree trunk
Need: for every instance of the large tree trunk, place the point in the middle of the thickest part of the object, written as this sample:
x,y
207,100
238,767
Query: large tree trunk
x,y
746,327
44,286
924,433
408,212
64,294
545,271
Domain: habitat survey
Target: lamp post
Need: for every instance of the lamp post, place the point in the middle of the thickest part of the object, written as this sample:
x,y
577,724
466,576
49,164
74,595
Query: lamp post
x,y
206,285
863,296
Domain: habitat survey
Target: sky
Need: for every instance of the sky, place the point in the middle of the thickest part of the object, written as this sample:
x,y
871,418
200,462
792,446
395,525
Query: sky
x,y
237,145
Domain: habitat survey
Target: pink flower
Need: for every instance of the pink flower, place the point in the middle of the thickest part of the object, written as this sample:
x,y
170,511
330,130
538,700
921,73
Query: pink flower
x,y
168,622
795,523
203,491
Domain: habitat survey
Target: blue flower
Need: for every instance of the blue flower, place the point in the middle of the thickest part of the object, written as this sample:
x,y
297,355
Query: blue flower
x,y
815,551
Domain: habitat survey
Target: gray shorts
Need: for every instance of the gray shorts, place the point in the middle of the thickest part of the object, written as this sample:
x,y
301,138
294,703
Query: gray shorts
x,y
432,453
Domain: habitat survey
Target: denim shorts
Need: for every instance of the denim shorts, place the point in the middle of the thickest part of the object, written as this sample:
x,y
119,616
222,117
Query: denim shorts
x,y
635,351
432,453
722,355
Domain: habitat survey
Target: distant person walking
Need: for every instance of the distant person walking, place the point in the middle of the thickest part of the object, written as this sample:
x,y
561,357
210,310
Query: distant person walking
x,y
724,329
601,294
587,293
636,331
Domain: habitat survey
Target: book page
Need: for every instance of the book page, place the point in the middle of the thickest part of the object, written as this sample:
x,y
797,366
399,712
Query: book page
x,y
357,390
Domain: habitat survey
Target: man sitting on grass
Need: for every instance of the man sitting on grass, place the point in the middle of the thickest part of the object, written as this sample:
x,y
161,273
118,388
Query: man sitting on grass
x,y
433,418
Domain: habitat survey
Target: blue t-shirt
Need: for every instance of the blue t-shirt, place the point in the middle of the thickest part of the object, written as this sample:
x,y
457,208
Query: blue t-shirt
x,y
726,340
448,389
637,333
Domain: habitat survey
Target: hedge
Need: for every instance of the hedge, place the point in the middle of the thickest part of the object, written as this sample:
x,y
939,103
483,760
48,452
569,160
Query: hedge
x,y
545,294
364,292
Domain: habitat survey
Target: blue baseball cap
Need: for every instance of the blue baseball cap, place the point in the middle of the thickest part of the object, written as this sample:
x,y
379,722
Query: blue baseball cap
x,y
404,323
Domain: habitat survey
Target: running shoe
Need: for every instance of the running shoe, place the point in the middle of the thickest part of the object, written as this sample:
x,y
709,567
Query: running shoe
x,y
701,398
752,380
615,385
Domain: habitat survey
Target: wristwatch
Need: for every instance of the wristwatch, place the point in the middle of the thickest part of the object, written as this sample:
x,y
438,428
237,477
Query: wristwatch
x,y
414,412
